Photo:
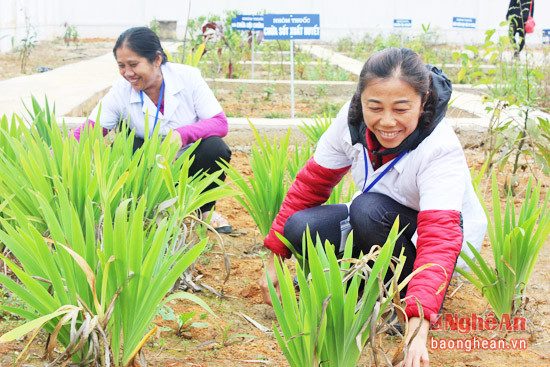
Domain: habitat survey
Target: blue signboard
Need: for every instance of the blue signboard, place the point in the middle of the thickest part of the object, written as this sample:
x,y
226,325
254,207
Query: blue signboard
x,y
402,23
546,36
292,26
248,22
462,22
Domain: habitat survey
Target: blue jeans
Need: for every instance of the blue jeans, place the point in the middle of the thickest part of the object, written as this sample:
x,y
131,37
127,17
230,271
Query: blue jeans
x,y
371,217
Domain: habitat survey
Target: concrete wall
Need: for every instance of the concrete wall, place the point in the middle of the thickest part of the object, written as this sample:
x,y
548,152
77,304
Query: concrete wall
x,y
108,18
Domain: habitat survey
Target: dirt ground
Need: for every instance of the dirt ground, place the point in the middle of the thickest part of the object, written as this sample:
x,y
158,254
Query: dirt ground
x,y
240,295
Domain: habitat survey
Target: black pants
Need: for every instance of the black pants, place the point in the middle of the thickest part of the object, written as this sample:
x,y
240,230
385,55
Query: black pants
x,y
210,151
371,217
516,26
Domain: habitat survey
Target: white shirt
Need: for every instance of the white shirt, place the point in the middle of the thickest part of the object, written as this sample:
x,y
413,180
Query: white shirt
x,y
434,176
187,99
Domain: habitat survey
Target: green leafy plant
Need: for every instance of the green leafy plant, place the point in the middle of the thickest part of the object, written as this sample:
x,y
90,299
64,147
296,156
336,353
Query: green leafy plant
x,y
543,143
297,159
263,193
339,195
32,158
323,70
27,44
314,131
70,35
321,90
99,233
269,90
514,93
331,320
193,57
154,26
516,241
109,285
226,338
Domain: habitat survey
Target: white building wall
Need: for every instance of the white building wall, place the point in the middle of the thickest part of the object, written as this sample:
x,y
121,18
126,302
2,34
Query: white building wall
x,y
108,18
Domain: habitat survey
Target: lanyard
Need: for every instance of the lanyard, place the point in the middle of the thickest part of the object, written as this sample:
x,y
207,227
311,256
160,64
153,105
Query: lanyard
x,y
392,163
161,95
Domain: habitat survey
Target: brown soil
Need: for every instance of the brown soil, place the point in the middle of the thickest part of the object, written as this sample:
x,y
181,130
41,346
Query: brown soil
x,y
241,294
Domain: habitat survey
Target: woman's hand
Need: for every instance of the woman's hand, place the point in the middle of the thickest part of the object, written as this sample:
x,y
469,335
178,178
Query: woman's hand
x,y
272,273
175,138
417,356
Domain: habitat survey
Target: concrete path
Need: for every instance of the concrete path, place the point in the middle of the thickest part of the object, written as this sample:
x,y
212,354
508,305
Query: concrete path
x,y
68,86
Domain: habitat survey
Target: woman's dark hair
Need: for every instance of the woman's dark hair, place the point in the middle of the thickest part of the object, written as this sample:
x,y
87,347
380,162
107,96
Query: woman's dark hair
x,y
404,64
143,42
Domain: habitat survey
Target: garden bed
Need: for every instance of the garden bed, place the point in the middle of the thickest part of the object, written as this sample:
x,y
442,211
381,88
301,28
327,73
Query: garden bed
x,y
241,295
271,99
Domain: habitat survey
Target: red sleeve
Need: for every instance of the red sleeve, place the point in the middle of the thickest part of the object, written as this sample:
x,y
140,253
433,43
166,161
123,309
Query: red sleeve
x,y
439,241
76,132
312,187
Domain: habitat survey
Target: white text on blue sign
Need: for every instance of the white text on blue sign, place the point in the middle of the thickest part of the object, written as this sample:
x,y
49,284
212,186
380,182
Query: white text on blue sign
x,y
292,26
248,22
402,23
463,22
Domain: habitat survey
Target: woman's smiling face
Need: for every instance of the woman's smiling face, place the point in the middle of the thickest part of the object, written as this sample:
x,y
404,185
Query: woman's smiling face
x,y
136,69
391,109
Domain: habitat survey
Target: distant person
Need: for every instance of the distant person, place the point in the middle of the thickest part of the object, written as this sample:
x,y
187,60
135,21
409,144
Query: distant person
x,y
176,98
407,159
518,12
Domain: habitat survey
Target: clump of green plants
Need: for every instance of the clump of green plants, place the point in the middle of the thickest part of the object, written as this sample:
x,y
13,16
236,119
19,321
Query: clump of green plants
x,y
154,26
184,320
70,35
315,130
28,42
269,90
99,232
332,320
263,193
223,48
516,240
515,93
226,339
108,290
323,70
277,50
360,48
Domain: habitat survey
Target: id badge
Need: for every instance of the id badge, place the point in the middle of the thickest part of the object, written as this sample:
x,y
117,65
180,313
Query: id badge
x,y
345,229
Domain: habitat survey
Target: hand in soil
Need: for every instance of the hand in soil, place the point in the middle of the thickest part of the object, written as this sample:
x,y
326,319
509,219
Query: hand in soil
x,y
417,355
272,273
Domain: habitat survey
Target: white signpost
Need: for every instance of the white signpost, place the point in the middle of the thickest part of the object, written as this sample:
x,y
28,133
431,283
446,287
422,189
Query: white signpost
x,y
291,27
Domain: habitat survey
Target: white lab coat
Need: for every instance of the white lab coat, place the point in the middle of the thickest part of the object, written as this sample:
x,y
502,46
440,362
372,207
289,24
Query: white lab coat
x,y
187,99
